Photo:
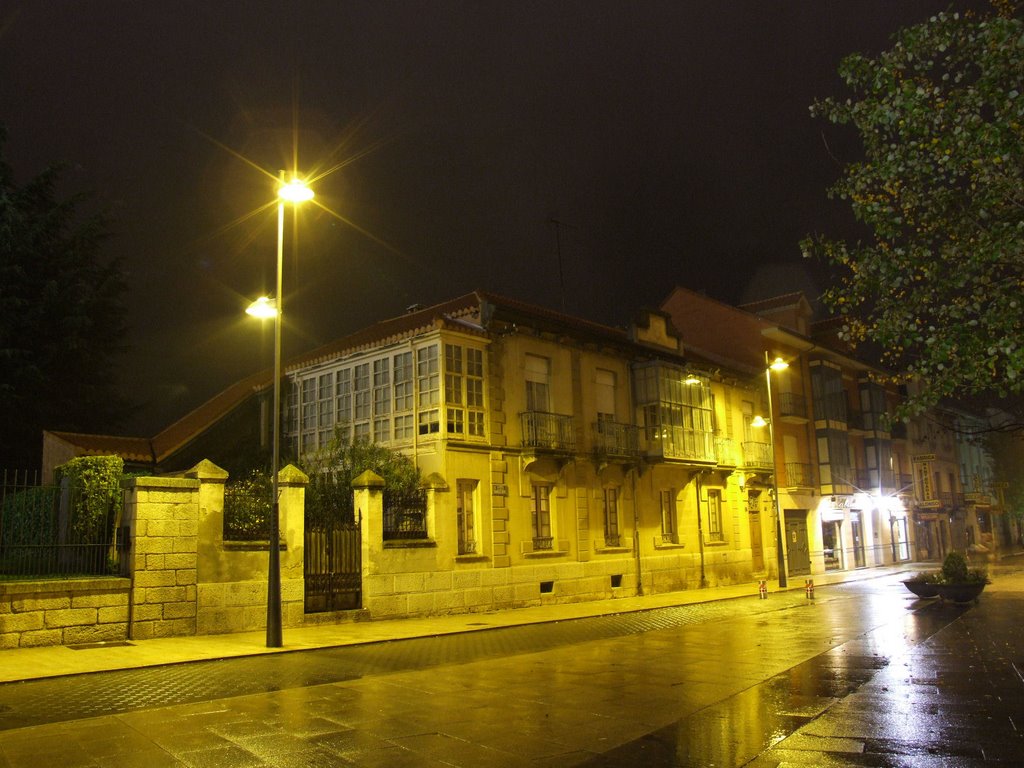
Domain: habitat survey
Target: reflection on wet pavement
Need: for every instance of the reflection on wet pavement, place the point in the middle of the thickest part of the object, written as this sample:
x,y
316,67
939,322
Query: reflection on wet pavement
x,y
943,688
863,676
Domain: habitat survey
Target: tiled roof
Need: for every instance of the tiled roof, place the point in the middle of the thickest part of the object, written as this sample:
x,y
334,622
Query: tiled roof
x,y
774,302
131,448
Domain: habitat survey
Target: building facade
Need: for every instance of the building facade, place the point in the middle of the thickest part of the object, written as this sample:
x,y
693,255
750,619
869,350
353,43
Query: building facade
x,y
576,461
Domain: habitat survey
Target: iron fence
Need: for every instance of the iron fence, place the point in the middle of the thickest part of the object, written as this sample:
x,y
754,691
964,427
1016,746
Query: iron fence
x,y
247,509
51,531
405,514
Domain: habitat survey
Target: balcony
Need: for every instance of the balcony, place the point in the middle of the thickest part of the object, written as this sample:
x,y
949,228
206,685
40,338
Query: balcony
x,y
725,451
548,431
757,455
799,475
792,408
856,421
616,439
680,443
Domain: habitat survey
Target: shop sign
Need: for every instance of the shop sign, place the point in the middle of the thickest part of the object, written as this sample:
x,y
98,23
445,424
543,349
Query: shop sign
x,y
930,504
922,458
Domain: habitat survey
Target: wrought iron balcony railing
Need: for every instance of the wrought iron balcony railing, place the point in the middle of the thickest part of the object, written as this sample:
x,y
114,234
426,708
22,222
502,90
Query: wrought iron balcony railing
x,y
549,431
799,474
792,405
757,455
615,438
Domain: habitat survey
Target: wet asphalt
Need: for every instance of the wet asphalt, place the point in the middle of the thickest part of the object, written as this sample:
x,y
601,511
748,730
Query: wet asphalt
x,y
863,675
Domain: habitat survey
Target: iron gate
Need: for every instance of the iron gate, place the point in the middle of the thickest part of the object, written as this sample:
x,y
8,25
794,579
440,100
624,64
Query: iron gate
x,y
333,547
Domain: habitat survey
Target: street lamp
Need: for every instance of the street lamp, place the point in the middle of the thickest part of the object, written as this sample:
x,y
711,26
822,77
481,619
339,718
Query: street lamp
x,y
295,192
778,364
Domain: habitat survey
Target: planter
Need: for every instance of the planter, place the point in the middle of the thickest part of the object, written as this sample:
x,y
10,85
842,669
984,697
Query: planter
x,y
961,593
923,589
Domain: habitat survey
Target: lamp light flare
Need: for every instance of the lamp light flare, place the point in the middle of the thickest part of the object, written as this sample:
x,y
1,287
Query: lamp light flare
x,y
295,191
265,308
778,364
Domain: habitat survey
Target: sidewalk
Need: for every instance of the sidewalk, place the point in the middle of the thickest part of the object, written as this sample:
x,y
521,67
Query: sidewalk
x,y
54,661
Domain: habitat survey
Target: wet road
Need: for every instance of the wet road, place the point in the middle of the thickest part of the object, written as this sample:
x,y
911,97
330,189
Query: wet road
x,y
864,675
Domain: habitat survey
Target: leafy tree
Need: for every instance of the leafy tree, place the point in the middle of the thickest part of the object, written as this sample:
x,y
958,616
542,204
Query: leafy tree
x,y
344,461
62,317
937,284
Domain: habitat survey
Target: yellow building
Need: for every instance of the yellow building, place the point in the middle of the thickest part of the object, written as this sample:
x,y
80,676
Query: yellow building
x,y
570,460
841,469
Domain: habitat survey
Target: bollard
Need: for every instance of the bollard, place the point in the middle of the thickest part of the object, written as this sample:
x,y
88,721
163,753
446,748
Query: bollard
x,y
762,588
809,588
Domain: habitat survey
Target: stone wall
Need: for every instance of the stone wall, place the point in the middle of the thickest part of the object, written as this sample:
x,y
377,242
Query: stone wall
x,y
182,577
68,612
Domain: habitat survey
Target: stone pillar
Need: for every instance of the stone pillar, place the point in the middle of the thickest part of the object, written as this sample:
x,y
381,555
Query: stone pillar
x,y
163,516
368,498
292,483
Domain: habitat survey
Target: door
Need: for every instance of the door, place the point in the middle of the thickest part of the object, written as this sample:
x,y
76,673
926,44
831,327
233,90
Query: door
x,y
857,534
798,553
333,549
756,545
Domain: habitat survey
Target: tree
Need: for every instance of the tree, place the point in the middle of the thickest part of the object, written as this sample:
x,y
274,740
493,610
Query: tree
x,y
937,284
344,461
62,317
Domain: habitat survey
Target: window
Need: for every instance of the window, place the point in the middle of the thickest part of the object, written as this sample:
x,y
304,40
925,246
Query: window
x,y
291,424
343,404
464,390
475,391
361,398
715,515
604,395
307,438
325,408
827,391
540,516
668,517
611,517
456,414
429,385
538,383
381,400
677,416
465,512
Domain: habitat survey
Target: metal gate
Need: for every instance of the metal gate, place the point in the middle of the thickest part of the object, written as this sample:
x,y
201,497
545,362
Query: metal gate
x,y
333,548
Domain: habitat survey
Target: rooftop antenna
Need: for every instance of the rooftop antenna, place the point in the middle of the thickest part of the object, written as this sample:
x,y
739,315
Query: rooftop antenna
x,y
558,252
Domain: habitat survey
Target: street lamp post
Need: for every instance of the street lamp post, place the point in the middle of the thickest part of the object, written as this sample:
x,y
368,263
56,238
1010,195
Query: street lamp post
x,y
777,365
293,192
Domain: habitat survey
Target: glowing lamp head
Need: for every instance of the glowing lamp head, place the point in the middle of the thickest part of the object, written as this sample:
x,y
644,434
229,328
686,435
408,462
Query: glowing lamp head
x,y
778,364
758,422
295,191
264,308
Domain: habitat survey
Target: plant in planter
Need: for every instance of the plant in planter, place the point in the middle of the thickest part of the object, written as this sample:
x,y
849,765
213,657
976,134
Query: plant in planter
x,y
958,583
924,584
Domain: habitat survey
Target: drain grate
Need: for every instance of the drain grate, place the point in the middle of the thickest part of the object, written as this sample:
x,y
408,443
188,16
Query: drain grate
x,y
100,644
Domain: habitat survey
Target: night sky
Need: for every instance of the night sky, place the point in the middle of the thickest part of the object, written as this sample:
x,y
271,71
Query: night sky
x,y
671,140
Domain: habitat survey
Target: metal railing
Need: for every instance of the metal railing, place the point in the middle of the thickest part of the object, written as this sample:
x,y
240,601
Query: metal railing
x,y
757,455
552,431
247,509
405,514
799,474
56,530
725,451
792,404
615,438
